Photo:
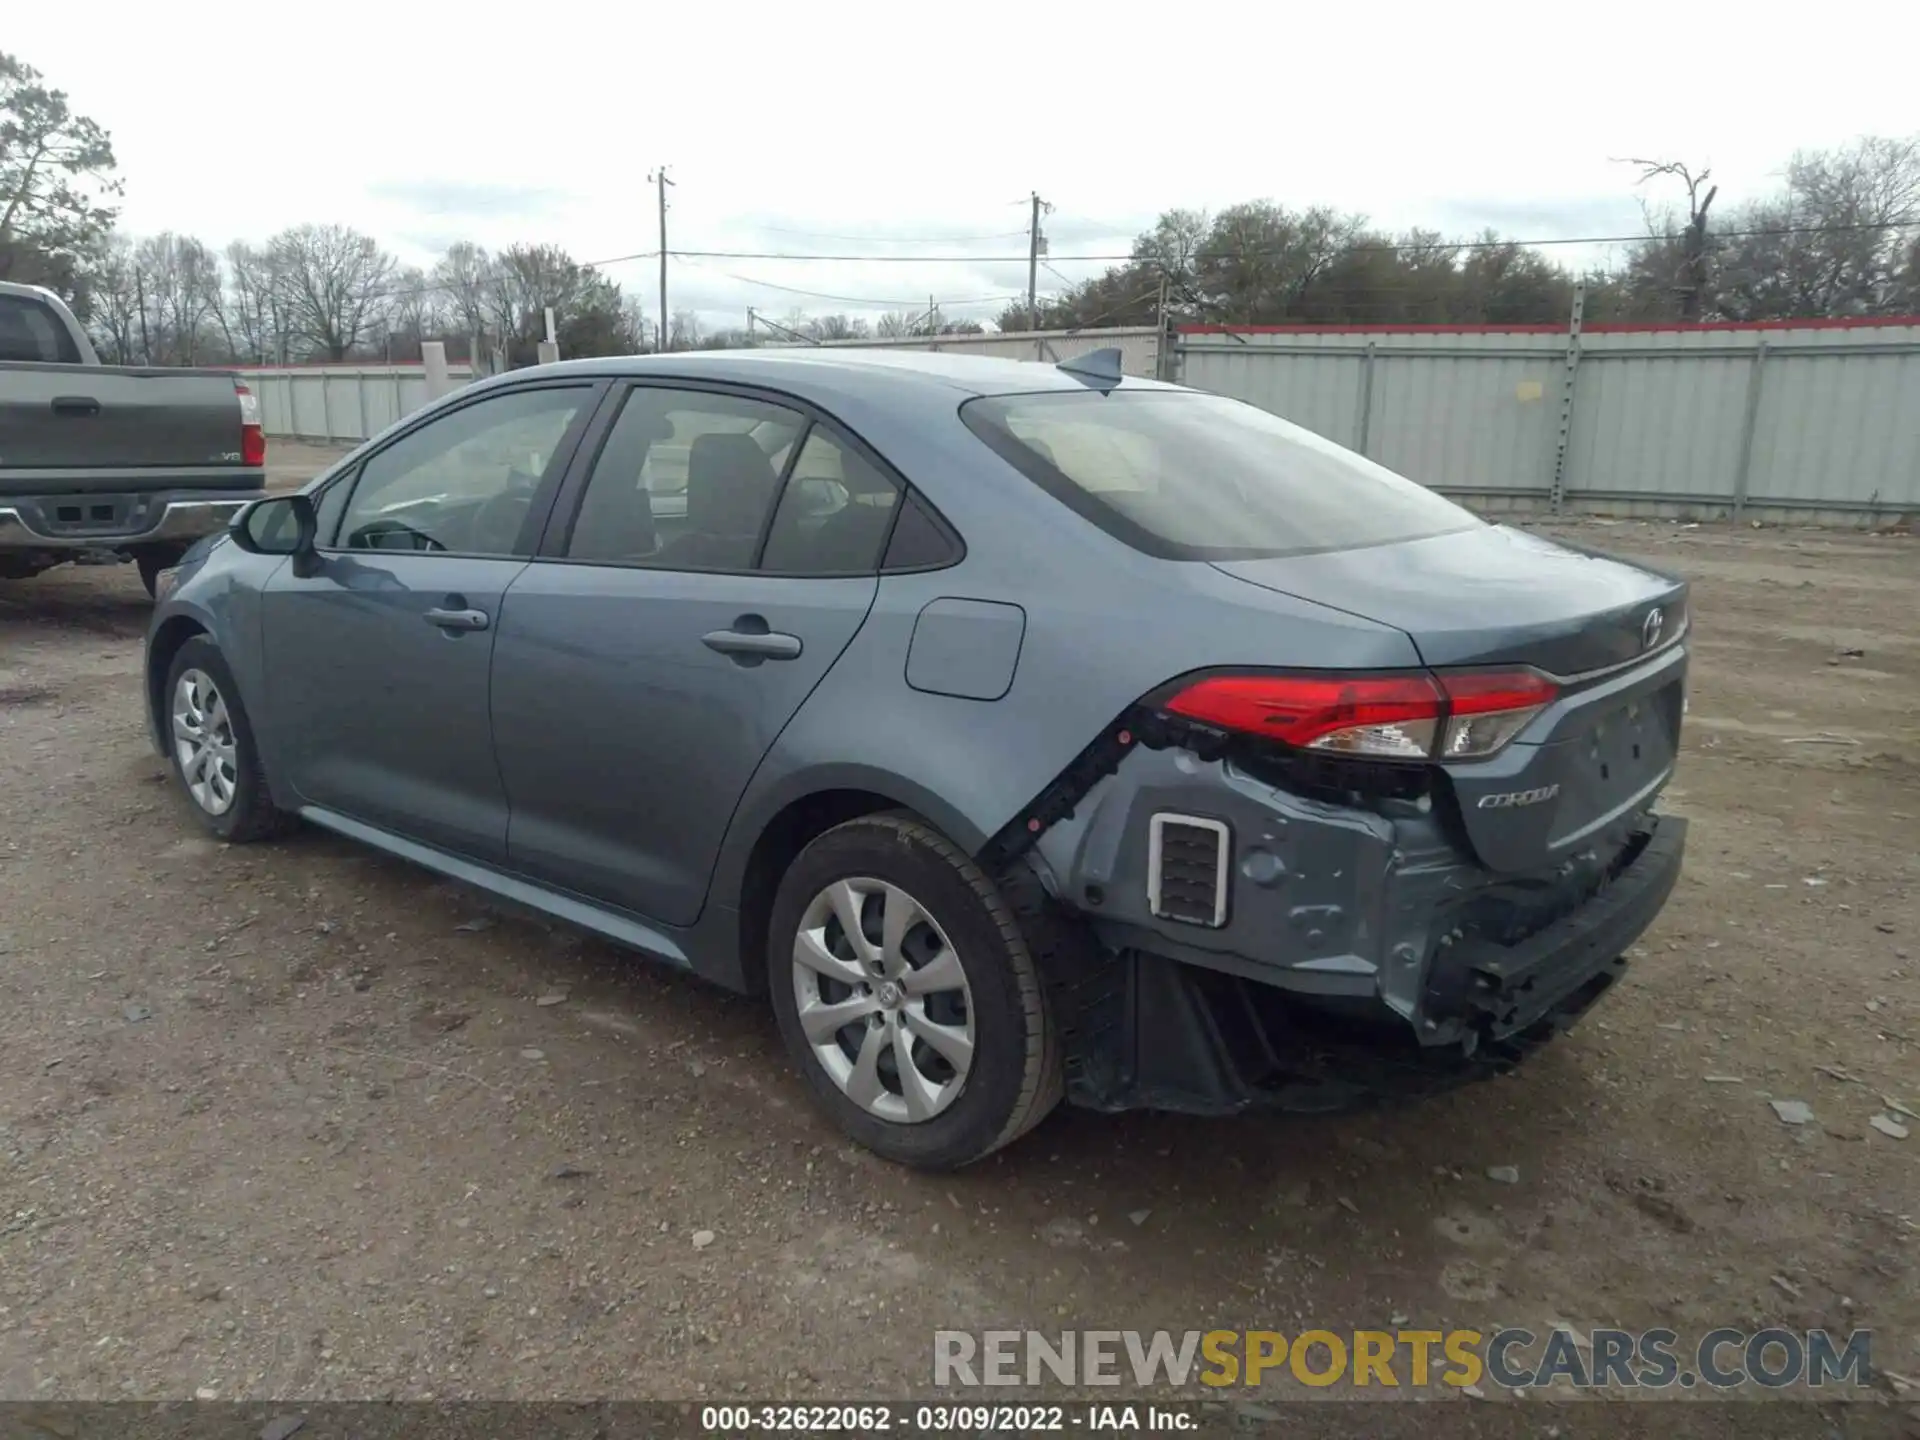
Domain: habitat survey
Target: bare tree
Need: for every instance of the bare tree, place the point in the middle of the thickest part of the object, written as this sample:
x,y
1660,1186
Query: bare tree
x,y
178,283
1693,275
1833,243
115,317
464,276
336,282
415,312
683,333
254,311
837,327
636,335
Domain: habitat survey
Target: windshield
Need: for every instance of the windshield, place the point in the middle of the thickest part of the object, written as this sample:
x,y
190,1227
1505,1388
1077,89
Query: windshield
x,y
1189,476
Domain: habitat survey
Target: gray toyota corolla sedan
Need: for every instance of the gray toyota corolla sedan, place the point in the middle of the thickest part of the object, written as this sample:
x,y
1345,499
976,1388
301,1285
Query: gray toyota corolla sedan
x,y
1020,731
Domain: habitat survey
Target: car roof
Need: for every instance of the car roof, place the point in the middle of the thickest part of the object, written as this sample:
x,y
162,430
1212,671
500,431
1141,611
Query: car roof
x,y
873,373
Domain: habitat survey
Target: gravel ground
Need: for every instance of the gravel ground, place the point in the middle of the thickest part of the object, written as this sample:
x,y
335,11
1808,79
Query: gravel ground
x,y
301,1121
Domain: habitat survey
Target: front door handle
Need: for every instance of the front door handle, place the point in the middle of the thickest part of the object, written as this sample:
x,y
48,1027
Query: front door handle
x,y
75,405
447,619
751,646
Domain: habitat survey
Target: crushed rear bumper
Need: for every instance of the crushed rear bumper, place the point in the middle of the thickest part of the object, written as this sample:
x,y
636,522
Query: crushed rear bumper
x,y
1146,1030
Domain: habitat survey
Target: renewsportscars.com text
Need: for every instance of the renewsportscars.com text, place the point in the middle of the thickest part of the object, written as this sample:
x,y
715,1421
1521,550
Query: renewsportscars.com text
x,y
1513,1358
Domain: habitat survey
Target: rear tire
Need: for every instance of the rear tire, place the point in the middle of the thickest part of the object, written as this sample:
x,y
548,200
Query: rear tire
x,y
211,748
945,1051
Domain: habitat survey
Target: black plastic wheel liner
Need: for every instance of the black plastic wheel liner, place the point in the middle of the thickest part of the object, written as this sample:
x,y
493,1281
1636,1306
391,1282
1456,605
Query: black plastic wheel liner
x,y
1150,1033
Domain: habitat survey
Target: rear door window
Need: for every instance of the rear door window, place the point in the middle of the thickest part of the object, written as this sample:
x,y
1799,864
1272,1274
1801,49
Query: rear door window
x,y
685,481
1188,476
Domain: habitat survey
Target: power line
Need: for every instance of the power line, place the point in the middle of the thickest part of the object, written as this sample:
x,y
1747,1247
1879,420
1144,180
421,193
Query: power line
x,y
845,299
896,239
438,287
1369,248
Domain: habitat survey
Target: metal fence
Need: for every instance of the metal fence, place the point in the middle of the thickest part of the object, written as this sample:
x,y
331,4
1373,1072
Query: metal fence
x,y
1139,346
1815,421
339,402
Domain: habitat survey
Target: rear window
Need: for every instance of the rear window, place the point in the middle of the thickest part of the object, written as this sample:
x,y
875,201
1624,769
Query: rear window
x,y
1199,477
30,331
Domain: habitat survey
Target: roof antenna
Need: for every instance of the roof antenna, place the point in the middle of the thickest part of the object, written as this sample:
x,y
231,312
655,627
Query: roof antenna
x,y
1099,369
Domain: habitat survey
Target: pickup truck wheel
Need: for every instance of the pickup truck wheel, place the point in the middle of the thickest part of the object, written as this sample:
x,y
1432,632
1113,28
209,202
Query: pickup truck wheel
x,y
212,749
907,995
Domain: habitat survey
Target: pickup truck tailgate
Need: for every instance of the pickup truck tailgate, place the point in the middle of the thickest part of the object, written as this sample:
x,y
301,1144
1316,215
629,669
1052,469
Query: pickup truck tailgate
x,y
94,421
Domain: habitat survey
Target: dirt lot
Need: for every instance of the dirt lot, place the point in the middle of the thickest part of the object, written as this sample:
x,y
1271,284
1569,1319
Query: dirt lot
x,y
301,1121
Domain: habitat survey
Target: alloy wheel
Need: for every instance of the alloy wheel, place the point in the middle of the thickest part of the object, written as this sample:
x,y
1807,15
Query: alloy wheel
x,y
203,742
882,998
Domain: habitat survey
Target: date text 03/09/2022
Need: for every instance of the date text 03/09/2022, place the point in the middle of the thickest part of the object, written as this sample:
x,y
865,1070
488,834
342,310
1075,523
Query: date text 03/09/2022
x,y
935,1419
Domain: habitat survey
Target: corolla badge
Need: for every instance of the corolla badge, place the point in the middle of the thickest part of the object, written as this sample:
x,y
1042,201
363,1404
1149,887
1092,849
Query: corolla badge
x,y
1510,799
1651,627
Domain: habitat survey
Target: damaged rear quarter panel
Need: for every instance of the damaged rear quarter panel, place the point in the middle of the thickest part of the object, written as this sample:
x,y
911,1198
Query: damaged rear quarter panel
x,y
1326,899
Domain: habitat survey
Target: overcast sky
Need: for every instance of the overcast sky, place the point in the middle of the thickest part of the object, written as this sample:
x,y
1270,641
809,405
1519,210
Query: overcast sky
x,y
919,129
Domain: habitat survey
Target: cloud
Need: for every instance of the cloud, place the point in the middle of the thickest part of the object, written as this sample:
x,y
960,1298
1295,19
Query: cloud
x,y
1565,217
468,199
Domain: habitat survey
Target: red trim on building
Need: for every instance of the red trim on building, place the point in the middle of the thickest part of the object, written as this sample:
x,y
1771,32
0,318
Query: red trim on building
x,y
1846,322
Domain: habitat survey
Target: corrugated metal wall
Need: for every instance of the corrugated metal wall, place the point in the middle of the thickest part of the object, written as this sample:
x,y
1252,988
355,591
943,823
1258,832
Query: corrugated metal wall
x,y
1139,346
1703,421
339,402
355,402
1820,420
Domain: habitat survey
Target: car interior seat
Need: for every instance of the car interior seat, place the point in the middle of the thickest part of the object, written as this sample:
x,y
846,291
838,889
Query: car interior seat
x,y
619,527
729,484
849,539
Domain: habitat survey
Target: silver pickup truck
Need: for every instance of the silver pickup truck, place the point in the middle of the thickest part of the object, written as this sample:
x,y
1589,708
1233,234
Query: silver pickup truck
x,y
112,460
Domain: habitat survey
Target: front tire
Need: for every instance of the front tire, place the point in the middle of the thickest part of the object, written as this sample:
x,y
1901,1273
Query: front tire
x,y
210,744
908,997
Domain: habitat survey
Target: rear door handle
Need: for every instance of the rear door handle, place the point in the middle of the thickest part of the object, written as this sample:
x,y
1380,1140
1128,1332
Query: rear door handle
x,y
75,405
457,619
749,646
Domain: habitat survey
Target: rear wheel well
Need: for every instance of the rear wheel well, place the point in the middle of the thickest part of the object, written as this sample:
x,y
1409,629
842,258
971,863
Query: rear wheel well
x,y
785,836
166,644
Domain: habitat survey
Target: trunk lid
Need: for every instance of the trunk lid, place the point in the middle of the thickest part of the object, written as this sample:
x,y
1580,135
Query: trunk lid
x,y
1571,784
1490,595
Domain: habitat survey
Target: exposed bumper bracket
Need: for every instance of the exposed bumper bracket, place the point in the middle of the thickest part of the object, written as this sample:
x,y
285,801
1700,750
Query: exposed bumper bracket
x,y
1145,1031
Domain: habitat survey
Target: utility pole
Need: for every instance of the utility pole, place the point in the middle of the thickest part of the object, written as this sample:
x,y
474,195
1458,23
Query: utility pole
x,y
1036,247
749,326
660,181
140,299
1163,336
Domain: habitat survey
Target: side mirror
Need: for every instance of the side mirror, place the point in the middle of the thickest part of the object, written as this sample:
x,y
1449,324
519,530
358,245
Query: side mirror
x,y
278,525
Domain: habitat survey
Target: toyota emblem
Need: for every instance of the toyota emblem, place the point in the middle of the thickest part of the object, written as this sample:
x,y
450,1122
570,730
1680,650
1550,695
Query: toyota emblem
x,y
1651,627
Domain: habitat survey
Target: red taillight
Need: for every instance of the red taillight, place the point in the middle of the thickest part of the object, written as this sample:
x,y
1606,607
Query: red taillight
x,y
1486,709
1396,714
253,436
1388,717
